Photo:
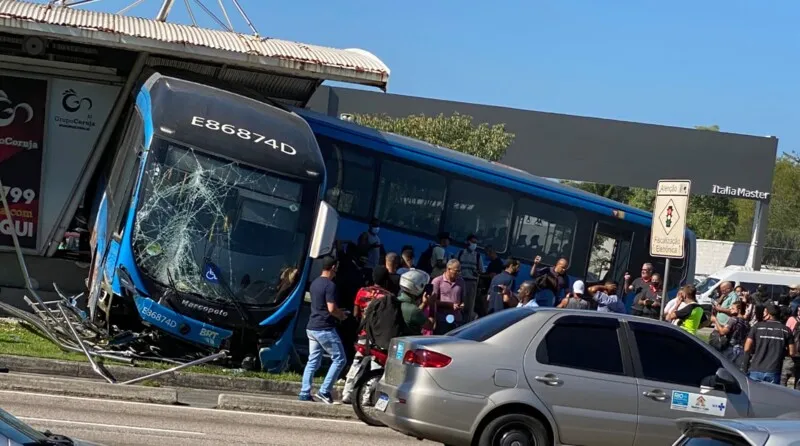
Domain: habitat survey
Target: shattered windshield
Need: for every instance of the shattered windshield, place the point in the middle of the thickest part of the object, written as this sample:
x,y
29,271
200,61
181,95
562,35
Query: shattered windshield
x,y
218,229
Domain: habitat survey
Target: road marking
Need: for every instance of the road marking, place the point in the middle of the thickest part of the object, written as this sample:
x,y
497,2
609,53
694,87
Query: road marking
x,y
114,426
201,409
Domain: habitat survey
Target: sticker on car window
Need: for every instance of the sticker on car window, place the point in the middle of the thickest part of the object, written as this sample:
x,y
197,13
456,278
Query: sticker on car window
x,y
401,349
697,403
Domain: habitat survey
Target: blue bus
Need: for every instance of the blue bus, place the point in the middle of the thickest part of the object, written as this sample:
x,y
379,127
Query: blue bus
x,y
417,190
206,220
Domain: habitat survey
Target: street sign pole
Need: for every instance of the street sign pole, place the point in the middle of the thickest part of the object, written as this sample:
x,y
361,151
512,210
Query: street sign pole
x,y
664,289
668,230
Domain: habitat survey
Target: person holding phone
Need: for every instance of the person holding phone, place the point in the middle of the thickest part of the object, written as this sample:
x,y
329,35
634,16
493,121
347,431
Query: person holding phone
x,y
448,291
497,299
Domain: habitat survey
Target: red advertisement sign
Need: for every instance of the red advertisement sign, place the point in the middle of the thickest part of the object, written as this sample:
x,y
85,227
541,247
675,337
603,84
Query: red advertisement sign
x,y
22,120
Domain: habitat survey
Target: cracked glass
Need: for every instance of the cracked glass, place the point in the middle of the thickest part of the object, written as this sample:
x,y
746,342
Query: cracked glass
x,y
218,229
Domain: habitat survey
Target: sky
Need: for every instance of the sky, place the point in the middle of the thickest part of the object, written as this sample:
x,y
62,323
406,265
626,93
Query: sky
x,y
732,63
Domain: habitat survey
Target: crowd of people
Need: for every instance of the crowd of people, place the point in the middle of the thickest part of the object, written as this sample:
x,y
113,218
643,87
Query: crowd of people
x,y
439,292
759,333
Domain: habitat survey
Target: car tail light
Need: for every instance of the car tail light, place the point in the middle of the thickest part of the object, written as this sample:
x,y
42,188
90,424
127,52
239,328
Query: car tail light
x,y
427,358
379,356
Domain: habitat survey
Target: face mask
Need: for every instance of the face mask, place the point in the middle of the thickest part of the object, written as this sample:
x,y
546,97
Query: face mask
x,y
473,246
374,231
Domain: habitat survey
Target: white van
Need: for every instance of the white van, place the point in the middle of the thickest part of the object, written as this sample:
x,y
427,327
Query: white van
x,y
776,281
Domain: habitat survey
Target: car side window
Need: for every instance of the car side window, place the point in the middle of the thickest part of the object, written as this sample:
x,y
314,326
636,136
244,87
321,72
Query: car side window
x,y
583,343
670,356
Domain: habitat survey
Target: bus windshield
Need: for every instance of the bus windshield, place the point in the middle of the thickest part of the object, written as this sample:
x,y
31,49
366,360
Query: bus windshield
x,y
218,229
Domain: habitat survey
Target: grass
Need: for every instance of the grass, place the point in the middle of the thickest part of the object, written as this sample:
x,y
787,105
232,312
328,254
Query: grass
x,y
17,339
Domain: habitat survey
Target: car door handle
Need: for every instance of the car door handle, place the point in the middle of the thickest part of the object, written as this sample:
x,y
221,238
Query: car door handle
x,y
657,395
549,379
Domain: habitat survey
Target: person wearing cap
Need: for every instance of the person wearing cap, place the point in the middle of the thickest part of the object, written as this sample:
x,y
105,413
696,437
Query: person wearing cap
x,y
439,255
575,300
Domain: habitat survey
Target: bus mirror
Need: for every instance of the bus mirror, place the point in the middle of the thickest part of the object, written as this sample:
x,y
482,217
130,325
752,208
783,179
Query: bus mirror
x,y
324,231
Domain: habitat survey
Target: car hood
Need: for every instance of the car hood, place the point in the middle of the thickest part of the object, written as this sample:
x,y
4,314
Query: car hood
x,y
771,401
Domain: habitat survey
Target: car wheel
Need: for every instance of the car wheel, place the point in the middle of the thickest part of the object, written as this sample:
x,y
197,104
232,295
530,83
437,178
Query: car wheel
x,y
516,430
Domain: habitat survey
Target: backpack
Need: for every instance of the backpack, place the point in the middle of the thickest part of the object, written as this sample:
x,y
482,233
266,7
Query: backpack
x,y
367,294
480,259
383,321
424,262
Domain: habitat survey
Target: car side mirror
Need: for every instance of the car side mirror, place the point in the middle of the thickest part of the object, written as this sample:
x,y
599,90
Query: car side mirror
x,y
324,235
725,379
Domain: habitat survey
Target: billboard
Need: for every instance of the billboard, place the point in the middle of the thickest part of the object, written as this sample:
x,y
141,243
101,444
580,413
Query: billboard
x,y
76,114
22,127
596,150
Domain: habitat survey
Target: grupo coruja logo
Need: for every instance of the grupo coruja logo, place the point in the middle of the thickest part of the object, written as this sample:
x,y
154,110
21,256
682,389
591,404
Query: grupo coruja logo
x,y
72,102
9,111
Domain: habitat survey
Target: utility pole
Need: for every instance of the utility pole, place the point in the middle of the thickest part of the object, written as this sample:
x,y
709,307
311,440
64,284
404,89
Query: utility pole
x,y
164,11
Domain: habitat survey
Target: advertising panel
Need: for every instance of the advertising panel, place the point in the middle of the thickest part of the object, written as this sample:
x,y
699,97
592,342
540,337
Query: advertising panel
x,y
76,114
22,123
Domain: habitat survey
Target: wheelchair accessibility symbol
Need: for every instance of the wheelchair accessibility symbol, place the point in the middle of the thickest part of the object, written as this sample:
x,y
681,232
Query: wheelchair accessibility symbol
x,y
210,273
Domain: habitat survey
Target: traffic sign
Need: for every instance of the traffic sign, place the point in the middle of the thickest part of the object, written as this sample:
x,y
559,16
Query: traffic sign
x,y
668,231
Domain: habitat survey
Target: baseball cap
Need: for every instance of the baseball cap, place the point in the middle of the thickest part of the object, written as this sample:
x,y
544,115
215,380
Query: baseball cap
x,y
578,287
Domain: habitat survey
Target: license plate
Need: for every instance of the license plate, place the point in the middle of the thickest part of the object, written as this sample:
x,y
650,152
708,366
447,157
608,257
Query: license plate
x,y
383,403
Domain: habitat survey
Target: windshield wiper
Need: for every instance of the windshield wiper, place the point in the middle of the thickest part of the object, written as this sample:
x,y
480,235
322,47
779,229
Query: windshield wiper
x,y
57,440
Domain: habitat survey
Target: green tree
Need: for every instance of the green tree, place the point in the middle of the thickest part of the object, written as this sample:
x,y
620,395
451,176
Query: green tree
x,y
616,193
456,132
782,244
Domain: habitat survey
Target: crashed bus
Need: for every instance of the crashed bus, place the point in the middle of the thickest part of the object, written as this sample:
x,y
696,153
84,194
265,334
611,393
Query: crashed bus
x,y
205,223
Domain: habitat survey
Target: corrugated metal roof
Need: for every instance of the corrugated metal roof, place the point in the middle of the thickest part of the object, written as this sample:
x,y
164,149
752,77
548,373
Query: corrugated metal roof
x,y
133,33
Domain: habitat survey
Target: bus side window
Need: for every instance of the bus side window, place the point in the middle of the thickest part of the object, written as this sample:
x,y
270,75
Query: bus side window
x,y
542,230
123,173
480,210
350,177
410,197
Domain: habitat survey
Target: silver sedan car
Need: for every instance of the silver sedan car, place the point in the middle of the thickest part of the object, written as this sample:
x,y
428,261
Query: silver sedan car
x,y
566,377
752,432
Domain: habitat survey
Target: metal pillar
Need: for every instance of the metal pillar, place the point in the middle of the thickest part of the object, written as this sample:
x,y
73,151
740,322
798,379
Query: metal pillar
x,y
97,153
163,13
760,221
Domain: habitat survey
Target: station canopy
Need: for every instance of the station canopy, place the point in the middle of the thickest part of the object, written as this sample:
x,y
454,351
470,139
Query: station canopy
x,y
286,71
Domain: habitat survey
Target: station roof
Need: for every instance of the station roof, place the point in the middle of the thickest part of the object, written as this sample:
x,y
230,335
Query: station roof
x,y
285,58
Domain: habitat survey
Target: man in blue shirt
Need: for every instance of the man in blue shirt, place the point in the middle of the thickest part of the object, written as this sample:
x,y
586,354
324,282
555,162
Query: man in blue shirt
x,y
605,296
500,283
321,332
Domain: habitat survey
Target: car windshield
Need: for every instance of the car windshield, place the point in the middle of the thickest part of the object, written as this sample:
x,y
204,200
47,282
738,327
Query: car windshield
x,y
484,328
706,284
218,229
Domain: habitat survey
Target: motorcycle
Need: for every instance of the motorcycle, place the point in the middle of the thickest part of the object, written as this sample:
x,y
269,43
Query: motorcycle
x,y
366,376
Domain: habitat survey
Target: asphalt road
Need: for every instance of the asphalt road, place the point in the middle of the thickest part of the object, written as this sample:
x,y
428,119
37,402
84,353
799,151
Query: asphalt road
x,y
123,423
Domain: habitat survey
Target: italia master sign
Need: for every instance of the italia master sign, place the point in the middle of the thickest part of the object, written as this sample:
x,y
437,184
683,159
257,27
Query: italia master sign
x,y
668,232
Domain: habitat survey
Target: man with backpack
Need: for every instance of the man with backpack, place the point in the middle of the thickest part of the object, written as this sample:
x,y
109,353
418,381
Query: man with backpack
x,y
471,269
434,259
387,316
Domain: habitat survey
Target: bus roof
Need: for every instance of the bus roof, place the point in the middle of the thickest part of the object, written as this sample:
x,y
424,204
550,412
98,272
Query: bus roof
x,y
231,125
490,169
232,49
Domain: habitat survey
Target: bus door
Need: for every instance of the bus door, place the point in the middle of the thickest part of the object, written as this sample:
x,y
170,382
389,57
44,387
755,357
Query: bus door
x,y
609,256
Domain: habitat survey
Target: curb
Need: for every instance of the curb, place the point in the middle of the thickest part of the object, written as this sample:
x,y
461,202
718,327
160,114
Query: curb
x,y
87,389
284,407
75,369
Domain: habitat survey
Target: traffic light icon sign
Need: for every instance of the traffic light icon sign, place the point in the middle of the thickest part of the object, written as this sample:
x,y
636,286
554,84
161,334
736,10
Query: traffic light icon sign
x,y
669,217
